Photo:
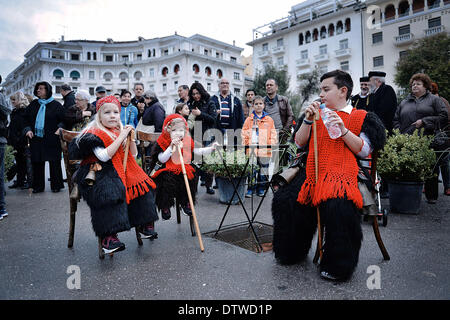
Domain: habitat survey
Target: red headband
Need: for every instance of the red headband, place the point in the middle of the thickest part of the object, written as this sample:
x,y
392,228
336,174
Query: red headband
x,y
108,99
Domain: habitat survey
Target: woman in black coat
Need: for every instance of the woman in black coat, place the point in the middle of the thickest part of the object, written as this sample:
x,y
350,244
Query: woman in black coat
x,y
204,110
17,139
44,116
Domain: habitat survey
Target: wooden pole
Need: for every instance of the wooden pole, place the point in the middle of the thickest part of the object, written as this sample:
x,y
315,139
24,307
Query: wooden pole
x,y
125,158
191,202
316,167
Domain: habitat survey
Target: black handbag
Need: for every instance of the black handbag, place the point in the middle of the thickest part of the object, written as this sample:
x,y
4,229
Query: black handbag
x,y
441,141
441,145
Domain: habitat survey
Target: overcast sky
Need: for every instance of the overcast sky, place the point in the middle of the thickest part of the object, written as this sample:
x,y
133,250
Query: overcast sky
x,y
23,23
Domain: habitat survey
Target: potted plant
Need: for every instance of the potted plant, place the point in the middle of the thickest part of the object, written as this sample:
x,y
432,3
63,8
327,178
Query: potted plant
x,y
405,162
235,161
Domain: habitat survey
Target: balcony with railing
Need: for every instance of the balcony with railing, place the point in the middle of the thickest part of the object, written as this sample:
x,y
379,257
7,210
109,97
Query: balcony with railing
x,y
434,30
321,57
301,63
278,49
343,53
263,54
404,39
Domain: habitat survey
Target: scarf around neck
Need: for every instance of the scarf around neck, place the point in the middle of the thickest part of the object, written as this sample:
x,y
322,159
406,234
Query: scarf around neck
x,y
257,117
40,118
174,163
136,181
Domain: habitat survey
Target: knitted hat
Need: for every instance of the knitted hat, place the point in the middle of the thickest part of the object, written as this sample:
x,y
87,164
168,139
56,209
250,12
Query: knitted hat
x,y
108,99
164,139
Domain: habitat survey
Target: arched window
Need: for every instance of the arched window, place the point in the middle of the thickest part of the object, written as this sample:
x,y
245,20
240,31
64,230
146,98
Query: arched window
x,y
418,6
138,75
176,69
300,39
339,27
123,76
165,71
208,71
196,68
331,30
107,76
75,75
323,32
219,73
95,56
389,12
315,35
308,37
89,56
347,25
403,9
58,74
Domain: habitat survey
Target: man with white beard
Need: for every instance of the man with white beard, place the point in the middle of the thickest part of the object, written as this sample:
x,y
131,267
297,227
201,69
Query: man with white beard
x,y
383,100
361,100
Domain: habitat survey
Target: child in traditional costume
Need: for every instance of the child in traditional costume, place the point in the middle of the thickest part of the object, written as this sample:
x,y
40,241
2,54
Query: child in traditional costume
x,y
168,174
336,191
120,198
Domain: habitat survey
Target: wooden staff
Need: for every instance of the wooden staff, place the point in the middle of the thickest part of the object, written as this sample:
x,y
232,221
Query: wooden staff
x,y
316,167
191,202
127,148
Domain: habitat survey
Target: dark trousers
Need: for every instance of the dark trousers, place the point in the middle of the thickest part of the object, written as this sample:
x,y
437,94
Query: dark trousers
x,y
56,178
259,179
295,226
24,171
343,237
445,171
432,186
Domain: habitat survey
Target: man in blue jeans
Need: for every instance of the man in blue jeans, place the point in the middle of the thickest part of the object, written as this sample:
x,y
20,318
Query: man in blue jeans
x,y
5,110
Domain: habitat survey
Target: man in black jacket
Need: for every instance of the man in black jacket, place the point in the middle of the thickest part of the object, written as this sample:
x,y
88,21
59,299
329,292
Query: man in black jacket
x,y
154,113
68,96
383,100
362,100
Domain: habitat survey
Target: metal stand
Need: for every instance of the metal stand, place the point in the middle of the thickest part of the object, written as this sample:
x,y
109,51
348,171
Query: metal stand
x,y
235,192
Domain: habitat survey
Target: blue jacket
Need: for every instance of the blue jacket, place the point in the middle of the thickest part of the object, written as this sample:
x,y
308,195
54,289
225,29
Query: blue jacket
x,y
129,115
237,113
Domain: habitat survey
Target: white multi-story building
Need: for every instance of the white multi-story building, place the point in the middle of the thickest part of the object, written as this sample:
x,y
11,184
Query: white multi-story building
x,y
161,64
355,36
316,34
394,25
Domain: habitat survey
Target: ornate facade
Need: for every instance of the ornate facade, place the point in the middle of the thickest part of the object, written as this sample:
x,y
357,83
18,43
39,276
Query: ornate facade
x,y
161,64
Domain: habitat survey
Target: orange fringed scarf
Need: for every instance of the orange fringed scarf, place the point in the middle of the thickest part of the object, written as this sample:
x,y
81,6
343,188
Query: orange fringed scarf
x,y
135,180
338,168
174,163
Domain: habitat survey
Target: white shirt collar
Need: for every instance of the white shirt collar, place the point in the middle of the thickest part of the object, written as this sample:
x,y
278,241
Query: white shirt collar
x,y
347,109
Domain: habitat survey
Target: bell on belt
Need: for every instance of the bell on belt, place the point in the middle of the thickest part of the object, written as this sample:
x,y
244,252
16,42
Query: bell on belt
x,y
285,177
90,177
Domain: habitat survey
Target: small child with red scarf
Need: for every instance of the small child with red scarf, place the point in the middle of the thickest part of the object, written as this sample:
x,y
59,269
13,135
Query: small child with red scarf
x,y
120,198
169,176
